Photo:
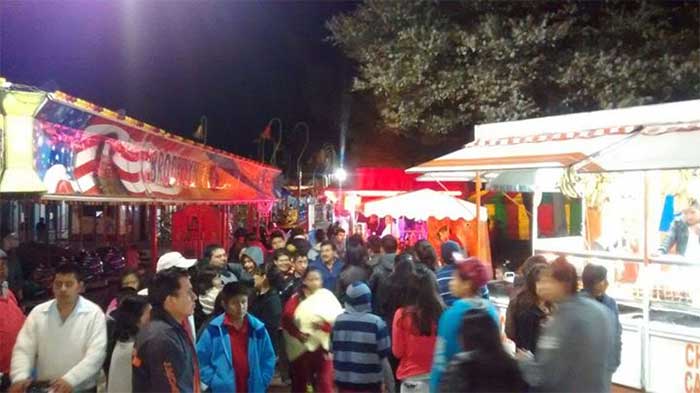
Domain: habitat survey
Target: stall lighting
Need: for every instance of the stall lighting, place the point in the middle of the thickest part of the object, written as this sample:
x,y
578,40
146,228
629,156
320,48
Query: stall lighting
x,y
341,175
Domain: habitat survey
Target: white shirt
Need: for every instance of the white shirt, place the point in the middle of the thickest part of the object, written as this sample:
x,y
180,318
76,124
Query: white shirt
x,y
692,250
120,368
73,349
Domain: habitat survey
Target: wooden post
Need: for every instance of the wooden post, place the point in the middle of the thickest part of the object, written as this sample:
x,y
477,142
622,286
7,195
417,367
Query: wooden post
x,y
478,214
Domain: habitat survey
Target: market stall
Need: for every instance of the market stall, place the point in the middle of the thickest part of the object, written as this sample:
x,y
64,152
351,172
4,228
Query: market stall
x,y
635,169
97,177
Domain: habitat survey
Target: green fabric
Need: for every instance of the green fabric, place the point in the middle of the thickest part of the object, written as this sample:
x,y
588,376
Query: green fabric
x,y
500,214
576,217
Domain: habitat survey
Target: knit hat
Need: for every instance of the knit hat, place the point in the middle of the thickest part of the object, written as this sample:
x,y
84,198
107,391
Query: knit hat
x,y
472,269
254,253
359,297
448,249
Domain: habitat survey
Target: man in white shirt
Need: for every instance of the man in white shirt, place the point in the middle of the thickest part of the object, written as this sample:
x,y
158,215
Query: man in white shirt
x,y
64,339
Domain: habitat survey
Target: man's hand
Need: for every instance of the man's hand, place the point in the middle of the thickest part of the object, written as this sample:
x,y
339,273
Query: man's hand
x,y
61,386
20,387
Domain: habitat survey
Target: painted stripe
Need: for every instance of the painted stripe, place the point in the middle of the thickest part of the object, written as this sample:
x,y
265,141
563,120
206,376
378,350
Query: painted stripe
x,y
87,169
134,188
128,166
85,155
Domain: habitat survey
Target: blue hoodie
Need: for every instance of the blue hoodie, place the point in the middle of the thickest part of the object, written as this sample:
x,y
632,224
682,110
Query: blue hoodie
x,y
215,358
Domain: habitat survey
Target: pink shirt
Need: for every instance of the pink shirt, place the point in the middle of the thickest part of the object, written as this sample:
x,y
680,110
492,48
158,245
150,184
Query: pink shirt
x,y
415,352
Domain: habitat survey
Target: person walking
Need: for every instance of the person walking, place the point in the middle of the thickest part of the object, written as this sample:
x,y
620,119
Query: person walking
x,y
595,284
360,343
483,366
379,281
309,364
235,351
165,359
266,305
414,334
469,275
451,251
355,269
10,323
573,351
63,341
519,287
529,311
329,266
133,313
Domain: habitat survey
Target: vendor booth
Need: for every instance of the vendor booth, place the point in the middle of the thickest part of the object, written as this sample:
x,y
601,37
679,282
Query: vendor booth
x,y
442,214
80,176
636,171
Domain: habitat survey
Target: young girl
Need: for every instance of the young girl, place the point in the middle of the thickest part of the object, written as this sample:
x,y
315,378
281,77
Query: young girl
x,y
530,311
132,314
413,335
128,280
309,364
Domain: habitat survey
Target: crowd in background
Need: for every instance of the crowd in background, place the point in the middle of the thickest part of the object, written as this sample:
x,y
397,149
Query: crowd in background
x,y
319,313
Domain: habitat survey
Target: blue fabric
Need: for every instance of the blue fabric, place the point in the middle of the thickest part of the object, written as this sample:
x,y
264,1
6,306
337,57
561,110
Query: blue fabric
x,y
359,342
444,275
667,214
215,357
330,277
448,344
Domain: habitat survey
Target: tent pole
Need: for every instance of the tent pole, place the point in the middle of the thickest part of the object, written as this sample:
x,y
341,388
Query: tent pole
x,y
478,214
536,200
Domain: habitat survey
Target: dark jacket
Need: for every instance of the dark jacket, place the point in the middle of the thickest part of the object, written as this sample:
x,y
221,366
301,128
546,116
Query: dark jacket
x,y
611,304
349,275
379,284
165,359
482,372
678,236
528,324
268,309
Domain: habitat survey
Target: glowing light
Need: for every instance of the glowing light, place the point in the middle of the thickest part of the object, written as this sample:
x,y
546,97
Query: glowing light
x,y
172,181
341,175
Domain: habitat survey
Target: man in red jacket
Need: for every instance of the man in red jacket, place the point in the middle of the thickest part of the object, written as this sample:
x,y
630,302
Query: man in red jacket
x,y
10,323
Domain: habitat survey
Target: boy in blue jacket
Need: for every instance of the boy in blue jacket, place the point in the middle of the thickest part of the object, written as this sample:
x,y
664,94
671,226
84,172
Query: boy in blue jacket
x,y
235,351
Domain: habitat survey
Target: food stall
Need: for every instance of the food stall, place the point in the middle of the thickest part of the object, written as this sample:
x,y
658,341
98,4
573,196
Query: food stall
x,y
98,177
635,170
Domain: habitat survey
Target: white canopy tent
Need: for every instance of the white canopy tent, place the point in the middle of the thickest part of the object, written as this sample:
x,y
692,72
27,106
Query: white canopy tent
x,y
423,204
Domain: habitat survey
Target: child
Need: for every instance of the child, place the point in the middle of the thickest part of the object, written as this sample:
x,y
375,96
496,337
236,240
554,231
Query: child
x,y
267,305
360,343
235,351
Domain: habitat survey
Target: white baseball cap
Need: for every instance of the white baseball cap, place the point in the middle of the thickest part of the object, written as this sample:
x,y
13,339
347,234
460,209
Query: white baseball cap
x,y
174,259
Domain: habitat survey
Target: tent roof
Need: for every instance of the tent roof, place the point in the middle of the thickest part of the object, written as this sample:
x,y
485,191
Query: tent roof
x,y
422,204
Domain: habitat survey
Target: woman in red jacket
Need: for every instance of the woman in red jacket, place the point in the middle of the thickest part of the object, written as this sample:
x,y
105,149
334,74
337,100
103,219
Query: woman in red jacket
x,y
414,332
306,367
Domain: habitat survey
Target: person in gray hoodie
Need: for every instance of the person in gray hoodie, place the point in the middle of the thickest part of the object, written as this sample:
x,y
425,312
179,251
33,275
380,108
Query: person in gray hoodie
x,y
573,351
378,281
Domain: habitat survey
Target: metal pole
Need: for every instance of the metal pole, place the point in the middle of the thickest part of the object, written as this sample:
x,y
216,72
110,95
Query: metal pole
x,y
153,213
301,154
478,214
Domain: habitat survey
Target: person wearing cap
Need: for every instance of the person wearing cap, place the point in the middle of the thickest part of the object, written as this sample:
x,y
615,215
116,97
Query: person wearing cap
x,y
360,343
685,233
468,277
10,323
451,254
165,358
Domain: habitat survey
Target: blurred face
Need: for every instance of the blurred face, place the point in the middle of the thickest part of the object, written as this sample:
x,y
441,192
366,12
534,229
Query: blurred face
x,y
549,289
181,305
600,288
10,243
237,307
327,253
145,317
691,216
340,237
259,281
284,263
131,281
66,288
218,258
301,263
248,264
277,243
460,288
3,269
313,281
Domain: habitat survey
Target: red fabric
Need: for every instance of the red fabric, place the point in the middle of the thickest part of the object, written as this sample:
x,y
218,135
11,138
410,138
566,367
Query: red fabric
x,y
415,352
11,321
545,220
395,179
512,224
315,368
239,353
287,321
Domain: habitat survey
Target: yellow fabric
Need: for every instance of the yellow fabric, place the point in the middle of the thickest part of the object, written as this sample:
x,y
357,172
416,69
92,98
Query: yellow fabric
x,y
523,219
567,211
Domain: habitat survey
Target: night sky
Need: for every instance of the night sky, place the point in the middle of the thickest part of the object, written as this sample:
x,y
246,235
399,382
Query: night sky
x,y
169,62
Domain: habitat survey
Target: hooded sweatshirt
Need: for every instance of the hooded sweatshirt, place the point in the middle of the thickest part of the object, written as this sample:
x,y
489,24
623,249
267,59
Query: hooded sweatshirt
x,y
379,284
359,342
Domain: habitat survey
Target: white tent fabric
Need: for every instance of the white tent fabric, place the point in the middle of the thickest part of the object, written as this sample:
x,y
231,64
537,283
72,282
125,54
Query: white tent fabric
x,y
422,204
529,180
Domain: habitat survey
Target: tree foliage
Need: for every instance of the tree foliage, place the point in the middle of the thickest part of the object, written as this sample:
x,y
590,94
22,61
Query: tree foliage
x,y
439,66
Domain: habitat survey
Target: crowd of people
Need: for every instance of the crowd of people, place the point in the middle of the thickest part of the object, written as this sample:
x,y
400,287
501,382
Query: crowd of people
x,y
343,314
